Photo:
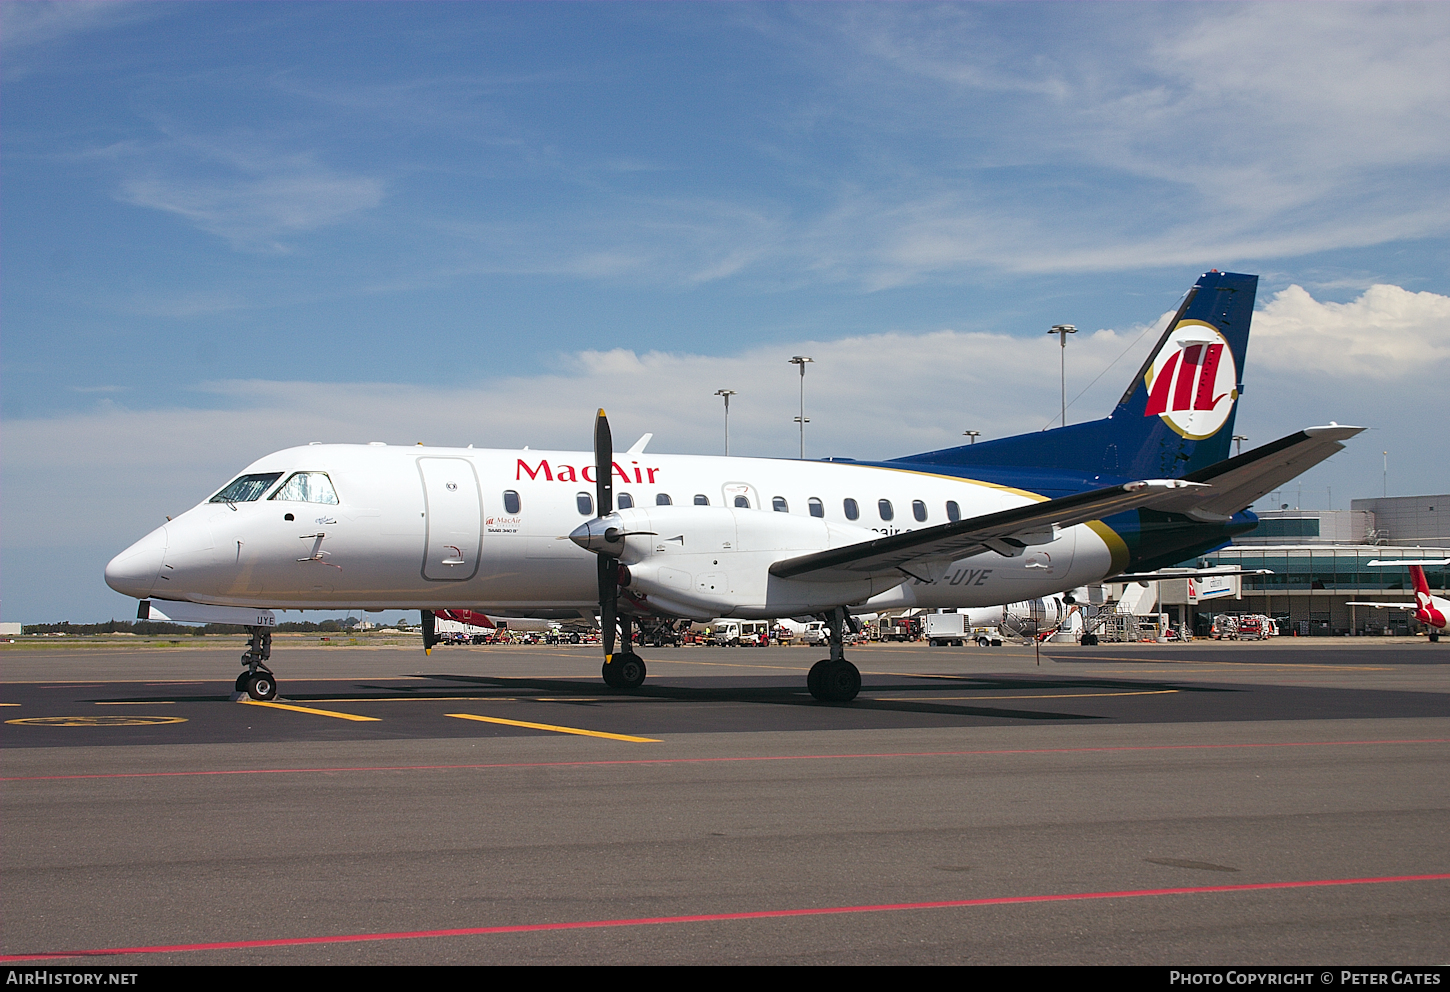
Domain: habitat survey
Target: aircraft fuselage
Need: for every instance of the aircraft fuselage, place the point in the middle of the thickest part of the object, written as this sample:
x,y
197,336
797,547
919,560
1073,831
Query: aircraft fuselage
x,y
429,528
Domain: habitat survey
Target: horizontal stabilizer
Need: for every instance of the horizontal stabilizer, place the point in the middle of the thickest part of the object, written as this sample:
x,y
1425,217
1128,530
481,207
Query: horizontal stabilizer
x,y
1187,573
1240,480
1007,532
1407,561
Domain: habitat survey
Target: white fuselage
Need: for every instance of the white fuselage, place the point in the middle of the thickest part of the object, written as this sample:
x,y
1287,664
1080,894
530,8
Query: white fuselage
x,y
487,529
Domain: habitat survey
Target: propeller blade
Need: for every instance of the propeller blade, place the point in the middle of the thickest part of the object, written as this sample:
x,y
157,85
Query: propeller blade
x,y
608,591
604,504
603,465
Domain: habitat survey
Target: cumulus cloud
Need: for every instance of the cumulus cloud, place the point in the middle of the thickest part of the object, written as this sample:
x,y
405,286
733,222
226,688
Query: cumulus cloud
x,y
1387,334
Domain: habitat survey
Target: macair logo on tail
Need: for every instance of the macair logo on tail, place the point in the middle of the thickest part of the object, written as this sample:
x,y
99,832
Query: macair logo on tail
x,y
1192,383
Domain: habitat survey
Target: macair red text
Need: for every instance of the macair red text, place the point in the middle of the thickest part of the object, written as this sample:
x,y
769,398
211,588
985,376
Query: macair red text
x,y
567,473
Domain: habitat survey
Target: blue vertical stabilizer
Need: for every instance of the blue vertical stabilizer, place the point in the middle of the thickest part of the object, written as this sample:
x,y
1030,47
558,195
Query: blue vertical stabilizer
x,y
1177,415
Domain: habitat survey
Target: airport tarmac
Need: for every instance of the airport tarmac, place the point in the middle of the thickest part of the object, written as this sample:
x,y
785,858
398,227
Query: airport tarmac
x,y
1260,803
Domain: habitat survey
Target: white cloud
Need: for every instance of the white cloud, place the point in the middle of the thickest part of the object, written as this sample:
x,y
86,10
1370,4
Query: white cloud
x,y
238,187
1105,137
25,25
1388,334
257,213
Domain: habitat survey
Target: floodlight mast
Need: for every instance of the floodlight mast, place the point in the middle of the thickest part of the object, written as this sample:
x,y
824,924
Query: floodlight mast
x,y
1062,331
727,393
801,360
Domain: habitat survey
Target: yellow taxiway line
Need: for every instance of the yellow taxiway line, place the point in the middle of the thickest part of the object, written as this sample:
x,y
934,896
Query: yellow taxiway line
x,y
1064,695
550,726
306,709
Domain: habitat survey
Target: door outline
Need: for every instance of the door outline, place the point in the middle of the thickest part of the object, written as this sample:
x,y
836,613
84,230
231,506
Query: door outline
x,y
477,548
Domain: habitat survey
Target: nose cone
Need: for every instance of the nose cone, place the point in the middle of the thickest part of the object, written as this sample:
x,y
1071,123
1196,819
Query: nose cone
x,y
133,571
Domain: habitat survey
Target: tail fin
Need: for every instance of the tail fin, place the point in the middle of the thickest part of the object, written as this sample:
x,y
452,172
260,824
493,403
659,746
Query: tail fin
x,y
1177,415
1422,587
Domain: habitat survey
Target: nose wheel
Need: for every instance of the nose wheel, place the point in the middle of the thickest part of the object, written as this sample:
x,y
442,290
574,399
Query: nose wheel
x,y
259,686
258,681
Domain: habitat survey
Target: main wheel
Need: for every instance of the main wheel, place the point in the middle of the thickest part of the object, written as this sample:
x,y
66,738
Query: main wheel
x,y
261,686
624,671
814,676
242,681
838,682
1434,637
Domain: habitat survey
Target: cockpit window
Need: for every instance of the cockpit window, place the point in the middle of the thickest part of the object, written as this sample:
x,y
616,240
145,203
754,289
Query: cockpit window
x,y
247,488
307,487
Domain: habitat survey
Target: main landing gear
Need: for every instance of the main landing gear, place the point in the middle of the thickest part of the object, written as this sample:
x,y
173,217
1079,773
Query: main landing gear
x,y
258,681
624,670
834,679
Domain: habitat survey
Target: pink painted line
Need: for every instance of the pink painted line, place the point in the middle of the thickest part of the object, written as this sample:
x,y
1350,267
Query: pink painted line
x,y
768,914
699,761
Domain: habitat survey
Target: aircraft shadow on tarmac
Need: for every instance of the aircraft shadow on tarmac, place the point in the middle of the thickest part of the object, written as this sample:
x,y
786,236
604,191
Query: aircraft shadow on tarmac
x,y
589,693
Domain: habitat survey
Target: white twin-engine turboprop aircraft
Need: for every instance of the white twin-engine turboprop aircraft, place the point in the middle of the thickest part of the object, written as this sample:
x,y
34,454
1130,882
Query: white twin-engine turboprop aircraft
x,y
635,538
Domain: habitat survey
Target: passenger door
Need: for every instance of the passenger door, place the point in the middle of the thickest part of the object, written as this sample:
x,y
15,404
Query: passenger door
x,y
454,515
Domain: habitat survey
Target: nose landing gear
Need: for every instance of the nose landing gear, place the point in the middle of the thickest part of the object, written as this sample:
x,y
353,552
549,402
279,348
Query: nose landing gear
x,y
258,681
625,670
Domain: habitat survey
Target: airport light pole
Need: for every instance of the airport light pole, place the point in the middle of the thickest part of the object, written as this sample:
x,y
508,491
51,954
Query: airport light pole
x,y
727,393
973,435
1239,439
802,360
1062,331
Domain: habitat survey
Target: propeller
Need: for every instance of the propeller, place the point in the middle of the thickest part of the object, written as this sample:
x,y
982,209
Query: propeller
x,y
607,564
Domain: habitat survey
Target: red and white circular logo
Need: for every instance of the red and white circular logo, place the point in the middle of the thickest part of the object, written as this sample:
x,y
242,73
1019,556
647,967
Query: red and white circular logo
x,y
1192,383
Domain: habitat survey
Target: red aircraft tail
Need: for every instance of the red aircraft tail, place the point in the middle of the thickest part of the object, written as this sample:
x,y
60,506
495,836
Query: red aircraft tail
x,y
469,617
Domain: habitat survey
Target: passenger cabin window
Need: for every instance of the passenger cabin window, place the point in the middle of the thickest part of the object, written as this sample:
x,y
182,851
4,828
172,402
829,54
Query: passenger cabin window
x,y
510,501
585,503
918,510
662,499
702,500
818,509
247,488
954,512
743,502
307,487
626,501
853,512
779,505
883,506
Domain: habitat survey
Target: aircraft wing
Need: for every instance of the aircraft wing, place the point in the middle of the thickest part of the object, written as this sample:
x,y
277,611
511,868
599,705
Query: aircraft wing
x,y
1006,532
1240,480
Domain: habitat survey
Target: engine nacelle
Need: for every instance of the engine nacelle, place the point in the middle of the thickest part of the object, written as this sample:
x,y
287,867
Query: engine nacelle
x,y
705,562
1025,618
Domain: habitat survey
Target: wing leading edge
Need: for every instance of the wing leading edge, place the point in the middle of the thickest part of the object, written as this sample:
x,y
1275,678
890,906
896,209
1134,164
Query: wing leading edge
x,y
1007,532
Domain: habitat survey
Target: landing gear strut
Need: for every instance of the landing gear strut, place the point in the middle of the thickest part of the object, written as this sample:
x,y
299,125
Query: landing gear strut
x,y
624,670
258,681
834,679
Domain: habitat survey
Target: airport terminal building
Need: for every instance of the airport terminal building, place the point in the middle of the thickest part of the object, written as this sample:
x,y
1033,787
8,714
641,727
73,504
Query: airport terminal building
x,y
1319,559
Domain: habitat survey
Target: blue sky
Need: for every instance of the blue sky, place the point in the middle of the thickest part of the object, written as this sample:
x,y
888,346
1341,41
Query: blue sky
x,y
231,227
